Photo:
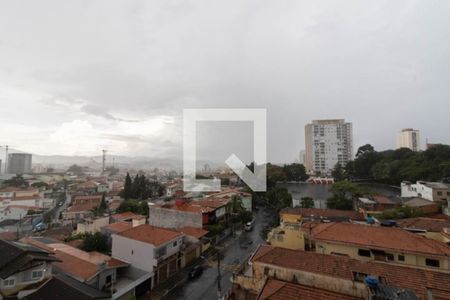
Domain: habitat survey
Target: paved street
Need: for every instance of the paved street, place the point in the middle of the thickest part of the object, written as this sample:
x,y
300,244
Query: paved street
x,y
235,250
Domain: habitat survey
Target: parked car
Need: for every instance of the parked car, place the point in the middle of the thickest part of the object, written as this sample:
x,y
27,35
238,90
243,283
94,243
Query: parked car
x,y
195,272
249,225
39,227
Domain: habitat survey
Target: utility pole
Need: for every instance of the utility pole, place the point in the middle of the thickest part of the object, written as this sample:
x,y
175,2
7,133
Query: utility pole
x,y
219,277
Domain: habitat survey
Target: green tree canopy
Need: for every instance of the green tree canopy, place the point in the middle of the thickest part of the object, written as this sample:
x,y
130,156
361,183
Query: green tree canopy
x,y
295,172
279,198
307,202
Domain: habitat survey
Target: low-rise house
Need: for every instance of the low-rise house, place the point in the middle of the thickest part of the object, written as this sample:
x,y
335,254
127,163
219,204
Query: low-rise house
x,y
195,243
12,197
81,208
153,249
23,268
179,214
126,217
92,224
292,234
386,244
436,229
64,287
221,208
374,204
95,270
85,187
17,212
244,197
198,213
93,200
296,215
422,205
431,191
173,188
336,274
280,290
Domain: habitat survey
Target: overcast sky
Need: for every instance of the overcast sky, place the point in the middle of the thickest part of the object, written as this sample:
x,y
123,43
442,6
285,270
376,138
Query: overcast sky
x,y
80,76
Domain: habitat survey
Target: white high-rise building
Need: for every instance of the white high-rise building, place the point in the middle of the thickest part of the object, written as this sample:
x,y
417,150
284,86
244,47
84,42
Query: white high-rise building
x,y
409,138
328,142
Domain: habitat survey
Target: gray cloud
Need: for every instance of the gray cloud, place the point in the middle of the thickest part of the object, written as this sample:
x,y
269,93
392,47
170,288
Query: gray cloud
x,y
382,65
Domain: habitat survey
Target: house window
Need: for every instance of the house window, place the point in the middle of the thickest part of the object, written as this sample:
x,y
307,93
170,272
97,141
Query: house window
x,y
363,252
37,274
401,258
389,256
10,282
432,262
439,193
175,244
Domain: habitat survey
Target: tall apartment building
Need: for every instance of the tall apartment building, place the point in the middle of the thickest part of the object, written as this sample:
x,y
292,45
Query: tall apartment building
x,y
409,138
19,163
327,142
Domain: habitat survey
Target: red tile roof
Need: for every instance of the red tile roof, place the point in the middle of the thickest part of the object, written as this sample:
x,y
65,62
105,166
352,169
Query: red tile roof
x,y
428,224
192,231
377,237
150,234
211,202
416,279
325,213
81,207
76,262
118,227
382,200
185,207
281,290
126,216
8,236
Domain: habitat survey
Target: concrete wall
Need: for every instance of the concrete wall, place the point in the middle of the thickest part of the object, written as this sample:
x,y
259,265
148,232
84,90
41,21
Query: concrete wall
x,y
338,285
138,254
352,252
92,226
292,238
170,218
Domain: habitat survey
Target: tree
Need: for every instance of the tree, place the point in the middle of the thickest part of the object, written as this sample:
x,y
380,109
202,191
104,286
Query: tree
x,y
133,205
295,172
307,202
279,198
95,242
275,174
39,184
76,169
16,181
338,172
103,205
343,194
126,193
236,204
102,208
367,148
